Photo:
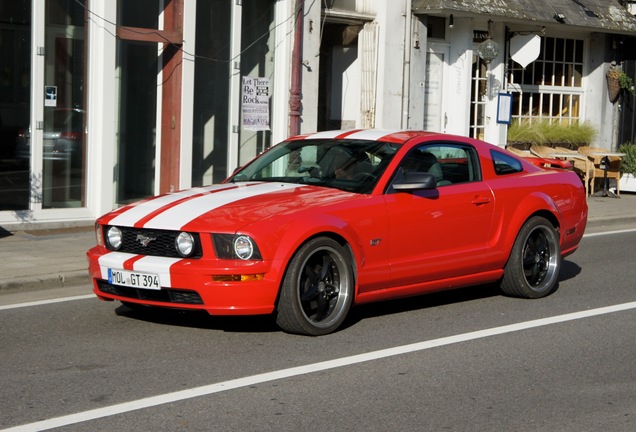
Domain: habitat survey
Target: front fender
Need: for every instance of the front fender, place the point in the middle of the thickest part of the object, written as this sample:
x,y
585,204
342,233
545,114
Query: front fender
x,y
281,239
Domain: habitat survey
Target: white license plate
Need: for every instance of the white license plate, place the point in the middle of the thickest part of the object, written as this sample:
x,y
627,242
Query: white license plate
x,y
133,279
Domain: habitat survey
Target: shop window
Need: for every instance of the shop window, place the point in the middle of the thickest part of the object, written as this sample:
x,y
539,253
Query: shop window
x,y
478,98
64,146
257,47
550,88
139,13
435,27
211,93
15,104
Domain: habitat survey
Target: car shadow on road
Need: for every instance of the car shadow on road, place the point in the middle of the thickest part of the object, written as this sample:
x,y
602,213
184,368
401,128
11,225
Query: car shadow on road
x,y
200,319
569,270
267,323
423,301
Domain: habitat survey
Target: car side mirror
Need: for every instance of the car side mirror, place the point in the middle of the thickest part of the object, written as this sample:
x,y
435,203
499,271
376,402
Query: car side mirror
x,y
413,181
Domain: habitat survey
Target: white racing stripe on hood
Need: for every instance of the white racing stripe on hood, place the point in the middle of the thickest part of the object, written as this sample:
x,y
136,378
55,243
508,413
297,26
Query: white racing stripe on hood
x,y
181,214
129,217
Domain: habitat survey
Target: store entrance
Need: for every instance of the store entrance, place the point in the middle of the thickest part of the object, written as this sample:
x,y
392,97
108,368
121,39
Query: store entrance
x,y
15,103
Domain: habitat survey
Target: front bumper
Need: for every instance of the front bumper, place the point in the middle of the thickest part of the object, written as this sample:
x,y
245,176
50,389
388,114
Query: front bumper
x,y
189,283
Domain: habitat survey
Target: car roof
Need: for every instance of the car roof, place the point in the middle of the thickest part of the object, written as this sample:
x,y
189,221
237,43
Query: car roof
x,y
385,135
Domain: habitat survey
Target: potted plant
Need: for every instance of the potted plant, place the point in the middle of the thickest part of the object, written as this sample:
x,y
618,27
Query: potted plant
x,y
523,134
618,82
628,167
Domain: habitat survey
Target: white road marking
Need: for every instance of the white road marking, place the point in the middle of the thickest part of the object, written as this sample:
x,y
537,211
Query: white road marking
x,y
307,369
46,302
631,230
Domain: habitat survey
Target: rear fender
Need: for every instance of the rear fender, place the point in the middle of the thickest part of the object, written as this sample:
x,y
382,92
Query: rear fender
x,y
534,204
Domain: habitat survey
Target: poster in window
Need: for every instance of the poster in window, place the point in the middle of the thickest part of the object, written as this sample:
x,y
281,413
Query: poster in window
x,y
50,96
255,103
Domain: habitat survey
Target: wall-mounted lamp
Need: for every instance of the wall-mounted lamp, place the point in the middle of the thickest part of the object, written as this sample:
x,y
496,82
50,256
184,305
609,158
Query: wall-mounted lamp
x,y
451,21
488,50
559,17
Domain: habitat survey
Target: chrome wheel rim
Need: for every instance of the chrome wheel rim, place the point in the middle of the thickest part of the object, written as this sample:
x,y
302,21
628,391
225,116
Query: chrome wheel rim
x,y
324,287
540,259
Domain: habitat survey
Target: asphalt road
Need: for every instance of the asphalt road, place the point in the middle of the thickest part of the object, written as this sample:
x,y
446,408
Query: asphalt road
x,y
466,360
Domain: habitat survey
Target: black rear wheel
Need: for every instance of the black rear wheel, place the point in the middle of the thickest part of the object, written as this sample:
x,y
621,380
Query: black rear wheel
x,y
535,261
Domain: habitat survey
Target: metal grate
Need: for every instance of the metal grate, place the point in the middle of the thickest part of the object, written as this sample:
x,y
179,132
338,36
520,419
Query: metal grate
x,y
157,242
170,295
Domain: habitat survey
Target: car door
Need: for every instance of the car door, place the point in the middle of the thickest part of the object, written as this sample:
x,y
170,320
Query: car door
x,y
443,232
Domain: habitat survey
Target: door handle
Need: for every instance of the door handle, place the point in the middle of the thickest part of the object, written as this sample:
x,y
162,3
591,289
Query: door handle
x,y
480,200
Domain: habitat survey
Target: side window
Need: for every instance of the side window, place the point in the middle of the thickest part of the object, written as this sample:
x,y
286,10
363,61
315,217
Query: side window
x,y
450,163
505,164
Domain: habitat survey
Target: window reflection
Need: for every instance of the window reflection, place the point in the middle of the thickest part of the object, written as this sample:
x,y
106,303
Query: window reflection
x,y
15,51
63,146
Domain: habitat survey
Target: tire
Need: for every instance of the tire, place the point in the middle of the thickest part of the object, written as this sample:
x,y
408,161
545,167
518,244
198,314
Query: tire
x,y
317,290
533,267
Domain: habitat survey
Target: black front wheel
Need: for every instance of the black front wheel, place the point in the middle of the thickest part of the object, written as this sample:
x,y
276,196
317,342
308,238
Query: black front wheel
x,y
317,289
533,267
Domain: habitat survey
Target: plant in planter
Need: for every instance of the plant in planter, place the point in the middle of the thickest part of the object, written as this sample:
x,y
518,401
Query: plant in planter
x,y
618,82
524,134
628,167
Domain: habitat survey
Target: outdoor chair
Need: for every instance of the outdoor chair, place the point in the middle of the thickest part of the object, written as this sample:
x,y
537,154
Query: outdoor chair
x,y
595,155
550,157
580,164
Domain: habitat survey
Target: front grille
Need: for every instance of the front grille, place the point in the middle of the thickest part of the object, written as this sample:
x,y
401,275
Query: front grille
x,y
170,295
161,242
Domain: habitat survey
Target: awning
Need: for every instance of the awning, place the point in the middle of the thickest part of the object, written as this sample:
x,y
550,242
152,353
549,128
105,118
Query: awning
x,y
607,16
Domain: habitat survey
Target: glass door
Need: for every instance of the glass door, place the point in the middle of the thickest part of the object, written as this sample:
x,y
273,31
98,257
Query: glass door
x,y
15,104
63,146
139,74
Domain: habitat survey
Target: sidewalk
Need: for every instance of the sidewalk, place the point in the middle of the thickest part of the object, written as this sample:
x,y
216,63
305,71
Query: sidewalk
x,y
56,258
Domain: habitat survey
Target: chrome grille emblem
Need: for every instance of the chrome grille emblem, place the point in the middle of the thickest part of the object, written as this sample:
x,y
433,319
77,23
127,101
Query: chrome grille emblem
x,y
145,239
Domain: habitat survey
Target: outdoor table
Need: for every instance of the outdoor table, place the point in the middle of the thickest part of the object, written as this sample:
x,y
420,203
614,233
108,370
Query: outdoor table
x,y
605,166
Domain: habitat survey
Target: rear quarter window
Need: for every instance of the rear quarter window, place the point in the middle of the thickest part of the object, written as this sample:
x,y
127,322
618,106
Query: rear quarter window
x,y
505,164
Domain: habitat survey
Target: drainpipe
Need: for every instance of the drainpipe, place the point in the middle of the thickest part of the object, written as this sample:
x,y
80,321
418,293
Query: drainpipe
x,y
295,97
406,71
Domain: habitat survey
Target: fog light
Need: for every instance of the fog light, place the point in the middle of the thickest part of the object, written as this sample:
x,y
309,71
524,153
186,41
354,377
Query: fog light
x,y
184,244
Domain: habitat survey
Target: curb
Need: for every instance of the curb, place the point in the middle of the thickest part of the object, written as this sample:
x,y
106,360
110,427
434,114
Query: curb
x,y
68,279
81,277
611,221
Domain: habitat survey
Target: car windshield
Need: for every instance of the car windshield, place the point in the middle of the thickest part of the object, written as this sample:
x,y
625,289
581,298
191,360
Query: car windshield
x,y
350,165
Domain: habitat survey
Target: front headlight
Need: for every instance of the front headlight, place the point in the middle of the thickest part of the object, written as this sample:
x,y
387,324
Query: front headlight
x,y
114,237
243,247
184,244
230,246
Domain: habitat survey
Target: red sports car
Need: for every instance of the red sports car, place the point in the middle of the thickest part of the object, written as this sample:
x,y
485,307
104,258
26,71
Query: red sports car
x,y
322,222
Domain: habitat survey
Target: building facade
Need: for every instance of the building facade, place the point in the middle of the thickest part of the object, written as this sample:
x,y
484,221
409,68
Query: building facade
x,y
107,102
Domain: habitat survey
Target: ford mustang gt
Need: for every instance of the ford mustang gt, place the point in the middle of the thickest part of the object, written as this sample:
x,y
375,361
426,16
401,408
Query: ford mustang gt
x,y
320,223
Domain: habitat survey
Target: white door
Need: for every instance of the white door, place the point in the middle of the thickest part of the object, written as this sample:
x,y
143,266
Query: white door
x,y
435,116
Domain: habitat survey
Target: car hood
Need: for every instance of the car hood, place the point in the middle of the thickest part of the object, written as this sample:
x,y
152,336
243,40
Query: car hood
x,y
225,207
